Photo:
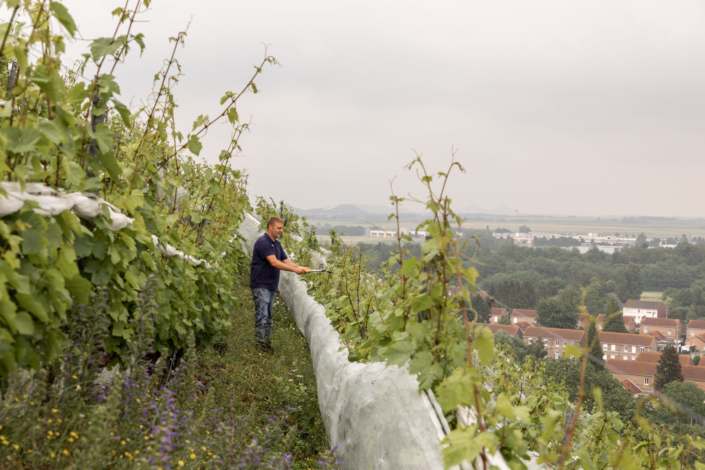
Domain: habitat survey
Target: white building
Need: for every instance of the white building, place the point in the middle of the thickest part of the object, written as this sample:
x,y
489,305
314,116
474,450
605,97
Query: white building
x,y
640,309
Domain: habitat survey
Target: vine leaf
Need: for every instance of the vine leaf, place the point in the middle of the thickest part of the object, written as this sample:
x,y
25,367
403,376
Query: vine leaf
x,y
195,145
80,288
24,324
103,137
62,14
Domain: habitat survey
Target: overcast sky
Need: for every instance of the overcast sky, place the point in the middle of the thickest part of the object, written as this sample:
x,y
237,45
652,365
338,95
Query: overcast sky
x,y
557,107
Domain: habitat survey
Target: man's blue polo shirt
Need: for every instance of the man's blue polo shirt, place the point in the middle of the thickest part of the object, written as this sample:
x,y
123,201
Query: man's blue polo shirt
x,y
262,273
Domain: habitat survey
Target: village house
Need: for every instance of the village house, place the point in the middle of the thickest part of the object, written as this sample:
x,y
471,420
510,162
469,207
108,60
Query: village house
x,y
511,330
669,328
626,346
383,233
483,294
640,309
521,315
654,357
555,339
696,343
496,313
641,374
695,328
523,325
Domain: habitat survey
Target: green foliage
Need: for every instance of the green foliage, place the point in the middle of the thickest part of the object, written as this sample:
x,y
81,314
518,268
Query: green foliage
x,y
614,323
524,229
554,313
216,407
138,163
696,359
669,368
595,346
629,283
406,312
504,319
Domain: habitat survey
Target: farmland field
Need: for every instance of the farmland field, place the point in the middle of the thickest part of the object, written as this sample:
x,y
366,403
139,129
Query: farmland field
x,y
562,225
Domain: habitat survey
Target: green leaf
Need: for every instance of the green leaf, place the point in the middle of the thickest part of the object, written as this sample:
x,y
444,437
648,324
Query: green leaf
x,y
30,304
51,131
102,47
111,165
21,140
408,267
456,389
484,344
123,111
398,353
103,137
504,407
139,39
420,303
62,14
24,324
200,120
80,288
460,446
232,115
8,313
194,145
31,241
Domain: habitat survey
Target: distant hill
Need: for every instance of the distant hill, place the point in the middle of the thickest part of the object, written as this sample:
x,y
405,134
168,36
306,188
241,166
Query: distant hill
x,y
473,209
343,211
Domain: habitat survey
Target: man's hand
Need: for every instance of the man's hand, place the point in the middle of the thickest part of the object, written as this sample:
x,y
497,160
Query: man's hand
x,y
301,270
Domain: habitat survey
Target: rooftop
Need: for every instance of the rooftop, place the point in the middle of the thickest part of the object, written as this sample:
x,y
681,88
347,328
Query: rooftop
x,y
618,366
632,387
645,304
654,357
520,312
554,333
625,338
497,311
697,324
672,322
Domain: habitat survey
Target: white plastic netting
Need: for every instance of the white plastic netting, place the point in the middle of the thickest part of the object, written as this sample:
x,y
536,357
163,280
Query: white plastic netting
x,y
373,413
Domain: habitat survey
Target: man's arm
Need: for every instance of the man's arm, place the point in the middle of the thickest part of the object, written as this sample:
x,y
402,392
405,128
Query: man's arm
x,y
286,265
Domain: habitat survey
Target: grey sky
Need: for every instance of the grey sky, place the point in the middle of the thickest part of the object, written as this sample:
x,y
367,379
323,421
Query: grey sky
x,y
557,107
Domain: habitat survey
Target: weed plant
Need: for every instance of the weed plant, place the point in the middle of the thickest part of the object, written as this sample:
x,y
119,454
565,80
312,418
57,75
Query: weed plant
x,y
230,407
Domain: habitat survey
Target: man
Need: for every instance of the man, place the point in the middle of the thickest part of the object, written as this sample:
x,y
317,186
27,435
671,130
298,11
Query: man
x,y
268,258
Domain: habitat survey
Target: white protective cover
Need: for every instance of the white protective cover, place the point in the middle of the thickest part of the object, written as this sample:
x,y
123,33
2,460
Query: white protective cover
x,y
374,414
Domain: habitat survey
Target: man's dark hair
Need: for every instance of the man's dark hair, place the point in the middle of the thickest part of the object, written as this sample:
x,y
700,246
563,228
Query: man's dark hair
x,y
274,220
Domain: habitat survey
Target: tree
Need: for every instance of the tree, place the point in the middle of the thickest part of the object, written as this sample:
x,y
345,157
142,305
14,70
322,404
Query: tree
x,y
554,313
629,283
537,350
614,323
518,347
669,368
696,360
685,396
482,308
504,319
596,349
524,229
593,303
614,396
641,240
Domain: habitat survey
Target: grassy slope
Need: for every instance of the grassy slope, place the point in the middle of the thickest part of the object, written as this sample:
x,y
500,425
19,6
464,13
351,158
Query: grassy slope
x,y
263,383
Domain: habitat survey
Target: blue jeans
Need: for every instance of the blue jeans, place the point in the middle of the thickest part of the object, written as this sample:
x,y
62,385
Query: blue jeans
x,y
264,306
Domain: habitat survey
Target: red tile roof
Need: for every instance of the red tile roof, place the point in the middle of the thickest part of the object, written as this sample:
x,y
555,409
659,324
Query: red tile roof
x,y
654,357
625,338
697,324
519,312
601,318
632,387
659,336
523,325
554,333
618,366
497,311
672,322
645,304
483,294
511,330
